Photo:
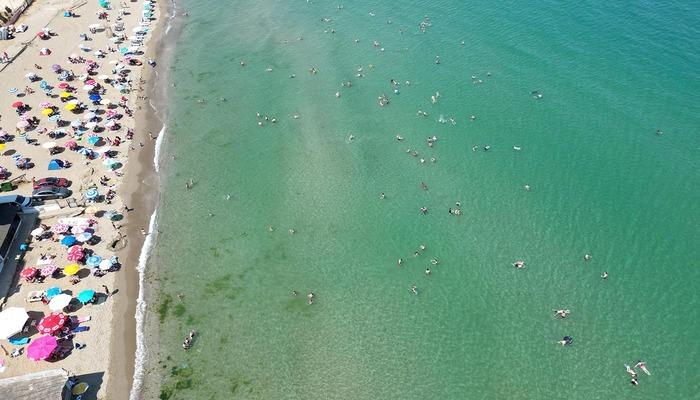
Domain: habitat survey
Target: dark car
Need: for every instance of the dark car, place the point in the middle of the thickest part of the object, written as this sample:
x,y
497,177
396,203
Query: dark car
x,y
51,181
50,192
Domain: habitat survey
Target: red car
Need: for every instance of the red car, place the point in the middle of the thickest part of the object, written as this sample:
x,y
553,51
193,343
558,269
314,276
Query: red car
x,y
52,181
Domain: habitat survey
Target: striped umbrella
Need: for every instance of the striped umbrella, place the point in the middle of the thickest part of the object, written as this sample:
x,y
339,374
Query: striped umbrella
x,y
48,270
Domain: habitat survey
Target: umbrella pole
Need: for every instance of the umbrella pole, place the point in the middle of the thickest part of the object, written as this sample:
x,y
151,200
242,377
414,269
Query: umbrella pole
x,y
5,350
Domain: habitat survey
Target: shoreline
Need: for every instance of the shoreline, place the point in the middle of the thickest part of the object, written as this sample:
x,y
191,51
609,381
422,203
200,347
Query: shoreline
x,y
114,340
141,190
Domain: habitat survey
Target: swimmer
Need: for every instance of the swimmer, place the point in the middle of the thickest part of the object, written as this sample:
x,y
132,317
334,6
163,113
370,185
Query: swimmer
x,y
562,313
424,210
382,196
191,335
423,186
630,371
270,228
475,147
487,148
310,298
434,261
634,381
337,95
527,187
519,264
400,262
294,293
643,366
228,196
292,231
566,340
399,137
517,148
659,132
422,247
605,275
587,257
427,271
414,289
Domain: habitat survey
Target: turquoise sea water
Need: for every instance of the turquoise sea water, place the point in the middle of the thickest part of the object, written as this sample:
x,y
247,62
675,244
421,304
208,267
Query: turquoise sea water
x,y
602,182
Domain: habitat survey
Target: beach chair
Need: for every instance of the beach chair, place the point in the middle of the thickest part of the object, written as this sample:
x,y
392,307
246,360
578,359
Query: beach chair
x,y
34,296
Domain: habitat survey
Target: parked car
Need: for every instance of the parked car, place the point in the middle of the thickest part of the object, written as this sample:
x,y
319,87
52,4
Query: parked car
x,y
51,181
50,192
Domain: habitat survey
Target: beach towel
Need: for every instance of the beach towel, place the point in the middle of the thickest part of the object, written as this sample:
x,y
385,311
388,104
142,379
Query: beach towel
x,y
81,329
19,342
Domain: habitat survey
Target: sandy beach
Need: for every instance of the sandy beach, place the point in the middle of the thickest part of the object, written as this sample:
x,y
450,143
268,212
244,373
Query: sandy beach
x,y
116,167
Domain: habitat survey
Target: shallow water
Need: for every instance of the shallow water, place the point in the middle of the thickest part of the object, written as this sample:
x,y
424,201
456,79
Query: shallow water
x,y
602,182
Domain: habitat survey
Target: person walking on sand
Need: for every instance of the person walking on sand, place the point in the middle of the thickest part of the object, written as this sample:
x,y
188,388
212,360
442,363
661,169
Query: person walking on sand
x,y
106,290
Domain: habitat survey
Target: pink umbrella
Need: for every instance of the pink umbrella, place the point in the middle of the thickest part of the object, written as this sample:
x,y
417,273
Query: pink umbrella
x,y
71,144
90,82
75,249
45,104
63,85
59,228
48,270
42,348
75,256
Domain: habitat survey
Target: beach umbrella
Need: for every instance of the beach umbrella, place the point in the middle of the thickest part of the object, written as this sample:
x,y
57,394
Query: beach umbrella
x,y
75,256
63,85
64,75
95,26
12,320
52,323
91,82
91,193
52,291
65,95
106,264
41,348
48,270
45,104
71,106
55,117
84,151
59,302
84,236
22,124
73,101
95,97
103,77
93,139
76,123
91,125
43,84
49,145
71,144
105,102
75,249
93,261
71,269
47,112
85,296
59,228
89,116
28,273
68,241
56,68
24,117
37,232
17,104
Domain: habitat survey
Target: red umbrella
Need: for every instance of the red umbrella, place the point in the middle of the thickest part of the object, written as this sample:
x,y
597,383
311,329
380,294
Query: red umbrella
x,y
71,144
28,273
75,248
52,323
17,104
63,85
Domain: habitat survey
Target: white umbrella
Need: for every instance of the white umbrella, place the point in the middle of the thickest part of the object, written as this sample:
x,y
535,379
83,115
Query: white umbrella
x,y
59,301
89,115
91,125
88,87
74,101
105,102
105,264
49,145
30,75
12,320
37,232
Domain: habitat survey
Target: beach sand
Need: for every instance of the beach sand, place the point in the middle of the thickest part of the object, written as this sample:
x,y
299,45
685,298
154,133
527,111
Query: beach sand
x,y
107,360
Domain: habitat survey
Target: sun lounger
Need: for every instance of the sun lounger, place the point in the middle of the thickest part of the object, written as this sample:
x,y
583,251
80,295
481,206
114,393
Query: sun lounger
x,y
34,296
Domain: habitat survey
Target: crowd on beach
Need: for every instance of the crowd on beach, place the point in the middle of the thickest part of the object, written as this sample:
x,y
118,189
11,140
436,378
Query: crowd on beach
x,y
69,94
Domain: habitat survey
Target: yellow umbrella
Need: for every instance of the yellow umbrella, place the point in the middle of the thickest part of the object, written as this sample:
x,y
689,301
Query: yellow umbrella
x,y
2,146
70,106
47,111
65,95
71,269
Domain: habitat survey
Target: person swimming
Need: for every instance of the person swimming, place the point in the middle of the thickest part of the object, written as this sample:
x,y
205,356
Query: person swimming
x,y
562,313
414,289
630,371
566,341
643,366
605,275
400,262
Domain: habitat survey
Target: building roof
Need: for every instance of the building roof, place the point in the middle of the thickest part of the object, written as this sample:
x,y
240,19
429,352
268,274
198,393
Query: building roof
x,y
7,215
38,385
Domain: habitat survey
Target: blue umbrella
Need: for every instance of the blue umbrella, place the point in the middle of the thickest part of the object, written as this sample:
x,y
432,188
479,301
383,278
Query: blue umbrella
x,y
52,291
95,97
43,84
64,75
93,261
91,194
55,117
93,139
68,241
86,295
